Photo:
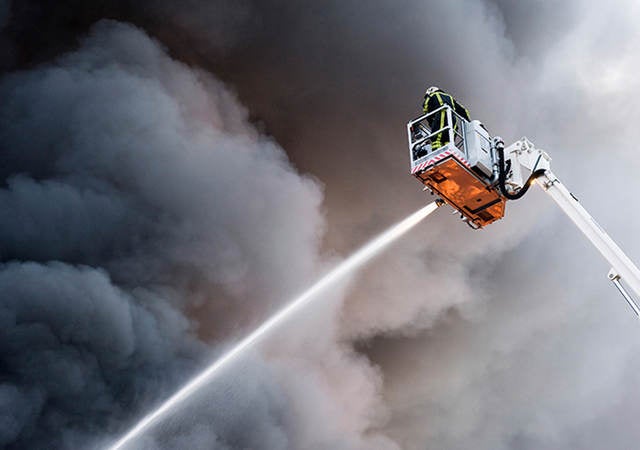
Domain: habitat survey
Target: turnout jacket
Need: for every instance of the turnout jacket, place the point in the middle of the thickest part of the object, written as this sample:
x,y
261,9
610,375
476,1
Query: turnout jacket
x,y
439,120
437,99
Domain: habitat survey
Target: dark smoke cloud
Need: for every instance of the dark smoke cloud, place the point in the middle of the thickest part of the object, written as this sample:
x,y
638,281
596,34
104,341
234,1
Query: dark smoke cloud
x,y
135,192
504,339
76,349
4,13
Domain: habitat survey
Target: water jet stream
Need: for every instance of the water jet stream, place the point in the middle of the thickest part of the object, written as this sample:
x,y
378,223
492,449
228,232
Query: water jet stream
x,y
347,266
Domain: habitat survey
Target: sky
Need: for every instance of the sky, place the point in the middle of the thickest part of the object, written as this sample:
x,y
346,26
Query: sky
x,y
173,172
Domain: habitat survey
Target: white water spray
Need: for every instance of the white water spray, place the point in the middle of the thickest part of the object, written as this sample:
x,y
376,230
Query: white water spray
x,y
347,266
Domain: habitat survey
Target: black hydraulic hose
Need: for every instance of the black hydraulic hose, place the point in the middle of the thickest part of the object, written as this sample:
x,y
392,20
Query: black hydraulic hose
x,y
502,177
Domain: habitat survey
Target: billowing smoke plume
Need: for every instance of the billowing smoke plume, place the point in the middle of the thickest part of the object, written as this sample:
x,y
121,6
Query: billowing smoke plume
x,y
145,223
135,193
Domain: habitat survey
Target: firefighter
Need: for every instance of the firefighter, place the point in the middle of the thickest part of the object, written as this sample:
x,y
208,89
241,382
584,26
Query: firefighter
x,y
434,98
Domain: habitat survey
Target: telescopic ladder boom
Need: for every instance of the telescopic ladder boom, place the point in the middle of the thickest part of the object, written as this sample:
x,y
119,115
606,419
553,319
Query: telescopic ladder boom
x,y
524,155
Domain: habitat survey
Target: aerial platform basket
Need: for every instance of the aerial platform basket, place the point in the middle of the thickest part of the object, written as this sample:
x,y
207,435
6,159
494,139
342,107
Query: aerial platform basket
x,y
462,170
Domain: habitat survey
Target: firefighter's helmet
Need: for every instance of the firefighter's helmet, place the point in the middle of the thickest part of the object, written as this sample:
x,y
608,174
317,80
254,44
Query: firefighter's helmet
x,y
431,90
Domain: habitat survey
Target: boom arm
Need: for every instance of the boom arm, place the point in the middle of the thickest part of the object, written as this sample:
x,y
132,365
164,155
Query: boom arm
x,y
524,155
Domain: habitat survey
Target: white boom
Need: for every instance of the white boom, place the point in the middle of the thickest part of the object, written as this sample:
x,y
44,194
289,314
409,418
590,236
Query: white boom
x,y
523,154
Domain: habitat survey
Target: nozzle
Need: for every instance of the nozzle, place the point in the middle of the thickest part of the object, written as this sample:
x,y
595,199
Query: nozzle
x,y
439,202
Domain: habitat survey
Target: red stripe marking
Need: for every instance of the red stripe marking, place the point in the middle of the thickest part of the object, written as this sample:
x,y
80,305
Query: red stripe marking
x,y
439,157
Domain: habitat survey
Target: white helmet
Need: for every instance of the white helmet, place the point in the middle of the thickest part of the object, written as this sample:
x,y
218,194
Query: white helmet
x,y
432,90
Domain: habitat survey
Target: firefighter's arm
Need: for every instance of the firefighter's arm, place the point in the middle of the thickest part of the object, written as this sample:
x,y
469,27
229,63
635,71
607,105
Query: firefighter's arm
x,y
461,109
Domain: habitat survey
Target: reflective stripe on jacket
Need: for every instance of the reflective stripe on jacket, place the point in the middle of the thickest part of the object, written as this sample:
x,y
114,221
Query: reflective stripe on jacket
x,y
437,99
439,121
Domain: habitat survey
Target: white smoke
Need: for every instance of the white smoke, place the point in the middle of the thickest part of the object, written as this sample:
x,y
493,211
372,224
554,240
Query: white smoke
x,y
539,346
